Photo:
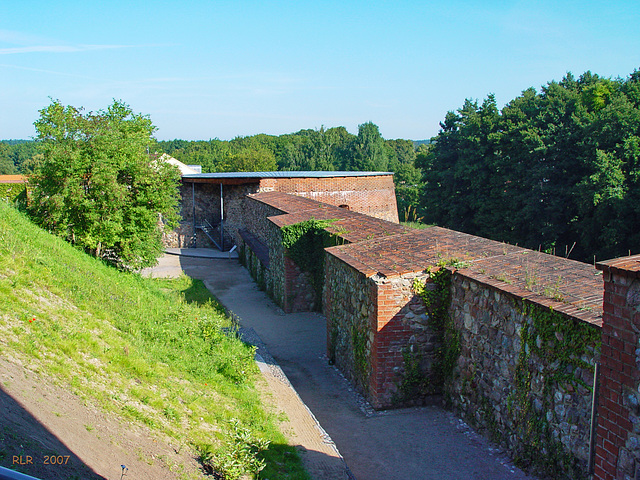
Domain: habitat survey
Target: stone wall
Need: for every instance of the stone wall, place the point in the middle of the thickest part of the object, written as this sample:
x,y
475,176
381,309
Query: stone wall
x,y
207,207
618,438
523,375
349,305
379,335
256,221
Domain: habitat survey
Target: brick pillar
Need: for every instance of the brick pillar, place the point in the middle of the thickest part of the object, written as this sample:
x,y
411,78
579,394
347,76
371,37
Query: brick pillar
x,y
618,433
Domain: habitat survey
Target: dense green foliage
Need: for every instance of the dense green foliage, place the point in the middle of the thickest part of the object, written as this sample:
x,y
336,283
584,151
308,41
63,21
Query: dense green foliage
x,y
555,169
14,155
160,353
13,193
305,243
324,149
97,187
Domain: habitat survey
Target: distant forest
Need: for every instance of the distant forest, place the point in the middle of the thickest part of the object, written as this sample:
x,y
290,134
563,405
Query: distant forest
x,y
556,169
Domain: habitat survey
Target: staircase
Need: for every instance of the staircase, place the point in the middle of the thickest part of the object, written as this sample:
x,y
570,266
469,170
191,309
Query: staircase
x,y
217,234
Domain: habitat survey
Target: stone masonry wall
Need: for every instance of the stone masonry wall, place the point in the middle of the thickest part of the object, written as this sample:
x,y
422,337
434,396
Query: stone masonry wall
x,y
349,304
255,215
258,270
512,392
618,438
378,334
207,207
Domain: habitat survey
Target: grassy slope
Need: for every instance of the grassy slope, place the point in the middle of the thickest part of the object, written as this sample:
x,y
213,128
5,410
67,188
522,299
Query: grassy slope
x,y
149,350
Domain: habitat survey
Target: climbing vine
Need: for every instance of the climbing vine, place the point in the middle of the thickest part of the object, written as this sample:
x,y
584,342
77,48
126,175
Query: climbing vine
x,y
552,349
304,243
435,292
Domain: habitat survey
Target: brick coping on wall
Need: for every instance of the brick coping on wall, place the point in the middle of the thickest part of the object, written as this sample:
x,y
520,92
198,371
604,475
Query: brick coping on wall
x,y
567,286
626,266
13,179
381,249
349,226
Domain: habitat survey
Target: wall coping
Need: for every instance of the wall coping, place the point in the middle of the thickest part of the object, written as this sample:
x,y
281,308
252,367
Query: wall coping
x,y
13,179
348,225
625,266
567,286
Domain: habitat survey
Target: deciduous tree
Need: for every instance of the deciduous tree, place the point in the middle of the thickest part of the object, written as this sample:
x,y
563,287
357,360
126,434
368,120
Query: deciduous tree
x,y
97,187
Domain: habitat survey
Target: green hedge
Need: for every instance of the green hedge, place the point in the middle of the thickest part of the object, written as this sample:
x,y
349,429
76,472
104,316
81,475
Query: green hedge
x,y
13,192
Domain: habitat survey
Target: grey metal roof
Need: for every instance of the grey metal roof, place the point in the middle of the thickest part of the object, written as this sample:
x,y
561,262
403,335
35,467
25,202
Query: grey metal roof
x,y
281,174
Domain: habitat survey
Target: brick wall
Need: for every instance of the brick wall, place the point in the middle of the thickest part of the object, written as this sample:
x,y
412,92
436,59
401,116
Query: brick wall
x,y
618,435
372,195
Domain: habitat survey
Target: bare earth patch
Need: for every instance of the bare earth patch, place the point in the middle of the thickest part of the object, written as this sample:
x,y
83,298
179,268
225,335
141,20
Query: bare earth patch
x,y
48,432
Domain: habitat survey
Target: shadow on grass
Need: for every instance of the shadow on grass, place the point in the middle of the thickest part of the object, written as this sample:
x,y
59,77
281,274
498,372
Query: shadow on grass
x,y
286,462
198,293
28,447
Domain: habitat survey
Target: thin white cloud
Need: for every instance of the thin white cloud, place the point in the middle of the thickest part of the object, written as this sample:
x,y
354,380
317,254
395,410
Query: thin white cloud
x,y
50,72
62,48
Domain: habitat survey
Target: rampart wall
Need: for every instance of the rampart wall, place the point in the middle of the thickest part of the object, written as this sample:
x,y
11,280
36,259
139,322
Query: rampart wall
x,y
514,353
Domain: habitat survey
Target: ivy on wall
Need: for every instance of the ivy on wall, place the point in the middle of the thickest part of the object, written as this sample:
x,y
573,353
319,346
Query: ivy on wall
x,y
435,292
304,243
553,349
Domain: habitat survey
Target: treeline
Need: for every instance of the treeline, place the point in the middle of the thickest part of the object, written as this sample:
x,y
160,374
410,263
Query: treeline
x,y
323,149
14,155
557,170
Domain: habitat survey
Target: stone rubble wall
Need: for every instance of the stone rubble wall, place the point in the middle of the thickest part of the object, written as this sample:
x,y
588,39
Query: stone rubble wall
x,y
349,305
256,221
483,389
373,326
258,271
207,207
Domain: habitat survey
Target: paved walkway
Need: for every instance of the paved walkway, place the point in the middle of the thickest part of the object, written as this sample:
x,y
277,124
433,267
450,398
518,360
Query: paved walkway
x,y
418,443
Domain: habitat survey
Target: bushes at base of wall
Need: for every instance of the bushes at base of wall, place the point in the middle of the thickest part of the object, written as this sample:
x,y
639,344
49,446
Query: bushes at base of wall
x,y
13,192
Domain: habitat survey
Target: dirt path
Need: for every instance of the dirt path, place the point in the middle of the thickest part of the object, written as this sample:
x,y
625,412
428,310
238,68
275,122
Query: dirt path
x,y
50,433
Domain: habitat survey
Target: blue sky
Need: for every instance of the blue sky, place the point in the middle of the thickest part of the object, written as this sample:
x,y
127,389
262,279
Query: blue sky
x,y
220,69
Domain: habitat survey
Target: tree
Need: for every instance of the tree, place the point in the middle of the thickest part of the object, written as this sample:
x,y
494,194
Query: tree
x,y
249,160
97,187
6,164
369,152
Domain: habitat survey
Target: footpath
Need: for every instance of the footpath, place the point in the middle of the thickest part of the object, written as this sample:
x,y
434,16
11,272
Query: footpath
x,y
339,435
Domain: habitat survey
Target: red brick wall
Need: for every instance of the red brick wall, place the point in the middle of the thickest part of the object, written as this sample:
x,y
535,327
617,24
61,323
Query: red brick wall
x,y
617,450
390,337
372,195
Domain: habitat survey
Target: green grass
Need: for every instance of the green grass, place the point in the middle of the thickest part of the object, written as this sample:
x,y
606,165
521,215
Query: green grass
x,y
151,351
418,225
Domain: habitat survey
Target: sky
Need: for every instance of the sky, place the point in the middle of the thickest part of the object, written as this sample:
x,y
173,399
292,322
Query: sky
x,y
204,69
